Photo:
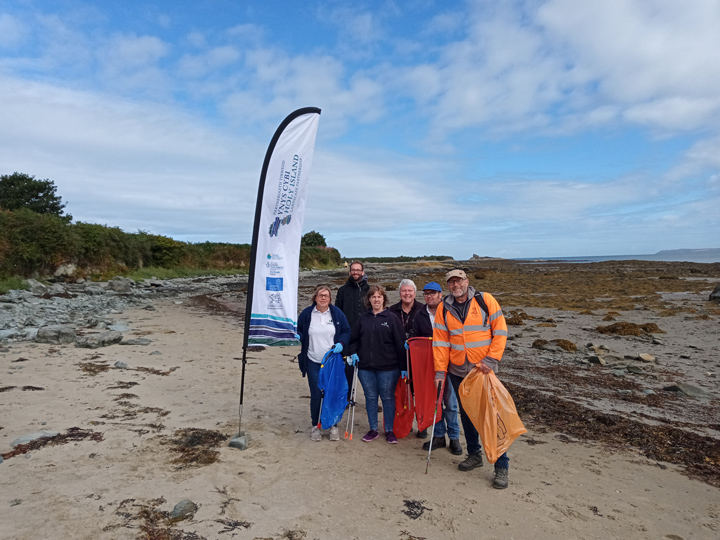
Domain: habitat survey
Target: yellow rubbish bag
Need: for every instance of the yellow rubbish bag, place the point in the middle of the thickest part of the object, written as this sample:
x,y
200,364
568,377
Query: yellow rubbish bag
x,y
492,411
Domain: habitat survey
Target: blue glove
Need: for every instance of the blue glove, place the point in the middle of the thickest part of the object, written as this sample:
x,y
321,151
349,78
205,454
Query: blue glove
x,y
338,348
407,346
352,360
403,374
297,336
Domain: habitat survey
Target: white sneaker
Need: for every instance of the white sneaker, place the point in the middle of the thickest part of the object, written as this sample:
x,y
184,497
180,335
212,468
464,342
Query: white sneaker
x,y
316,434
334,433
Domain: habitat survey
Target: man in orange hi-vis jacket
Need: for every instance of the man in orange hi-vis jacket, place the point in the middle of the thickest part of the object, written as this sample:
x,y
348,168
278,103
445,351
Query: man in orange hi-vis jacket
x,y
469,332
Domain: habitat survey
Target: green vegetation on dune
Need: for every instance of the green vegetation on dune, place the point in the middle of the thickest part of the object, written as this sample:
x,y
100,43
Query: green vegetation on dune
x,y
36,245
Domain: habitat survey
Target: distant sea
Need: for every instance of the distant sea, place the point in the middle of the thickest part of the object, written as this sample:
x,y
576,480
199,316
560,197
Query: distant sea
x,y
710,255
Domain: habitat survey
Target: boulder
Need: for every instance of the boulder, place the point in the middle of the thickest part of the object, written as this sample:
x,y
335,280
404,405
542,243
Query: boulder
x,y
8,334
121,284
65,270
688,390
715,295
95,341
185,509
55,334
36,287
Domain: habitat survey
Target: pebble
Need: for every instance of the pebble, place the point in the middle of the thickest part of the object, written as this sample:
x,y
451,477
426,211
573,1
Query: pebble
x,y
185,509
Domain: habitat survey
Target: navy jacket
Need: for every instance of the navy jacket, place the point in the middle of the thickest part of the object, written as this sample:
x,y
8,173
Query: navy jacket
x,y
421,325
342,332
379,341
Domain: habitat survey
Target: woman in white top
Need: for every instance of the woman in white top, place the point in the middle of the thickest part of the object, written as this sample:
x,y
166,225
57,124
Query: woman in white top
x,y
321,327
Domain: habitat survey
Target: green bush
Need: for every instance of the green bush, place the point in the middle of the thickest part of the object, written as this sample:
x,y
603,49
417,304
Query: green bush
x,y
319,257
33,244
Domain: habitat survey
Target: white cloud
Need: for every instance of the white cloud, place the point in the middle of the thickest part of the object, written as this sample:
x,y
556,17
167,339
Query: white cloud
x,y
133,165
215,59
12,31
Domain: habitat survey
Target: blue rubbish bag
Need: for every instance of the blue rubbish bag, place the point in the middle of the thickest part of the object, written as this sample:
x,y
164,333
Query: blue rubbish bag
x,y
333,384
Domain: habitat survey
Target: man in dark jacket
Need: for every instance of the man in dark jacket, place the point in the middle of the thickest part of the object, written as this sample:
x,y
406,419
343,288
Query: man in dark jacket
x,y
350,299
422,326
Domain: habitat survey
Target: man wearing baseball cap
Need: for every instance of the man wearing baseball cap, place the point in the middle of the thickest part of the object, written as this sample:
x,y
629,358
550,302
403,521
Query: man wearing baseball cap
x,y
469,332
423,327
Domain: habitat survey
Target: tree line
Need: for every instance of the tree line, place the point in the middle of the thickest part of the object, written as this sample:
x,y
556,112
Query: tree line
x,y
37,237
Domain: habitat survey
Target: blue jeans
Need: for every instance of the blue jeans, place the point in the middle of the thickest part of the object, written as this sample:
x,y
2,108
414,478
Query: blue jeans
x,y
472,437
313,373
450,423
380,383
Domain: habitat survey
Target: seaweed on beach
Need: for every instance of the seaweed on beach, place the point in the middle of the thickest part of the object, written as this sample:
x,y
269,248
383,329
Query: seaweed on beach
x,y
154,524
74,434
6,388
231,525
93,368
33,388
630,329
699,455
195,446
414,509
123,385
156,371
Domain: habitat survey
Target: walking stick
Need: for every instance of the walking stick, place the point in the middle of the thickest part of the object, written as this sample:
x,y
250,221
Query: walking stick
x,y
432,434
351,415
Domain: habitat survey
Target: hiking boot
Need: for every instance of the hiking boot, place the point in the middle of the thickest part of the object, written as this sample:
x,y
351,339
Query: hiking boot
x,y
390,437
501,479
334,433
316,434
422,434
370,436
437,442
473,461
455,447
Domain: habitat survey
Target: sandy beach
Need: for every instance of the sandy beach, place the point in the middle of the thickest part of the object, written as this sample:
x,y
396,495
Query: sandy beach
x,y
154,431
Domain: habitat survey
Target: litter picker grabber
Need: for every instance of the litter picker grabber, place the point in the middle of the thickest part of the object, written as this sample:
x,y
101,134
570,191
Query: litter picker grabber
x,y
440,389
351,414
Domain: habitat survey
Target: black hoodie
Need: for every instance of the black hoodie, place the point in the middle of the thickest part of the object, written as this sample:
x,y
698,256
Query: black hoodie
x,y
379,341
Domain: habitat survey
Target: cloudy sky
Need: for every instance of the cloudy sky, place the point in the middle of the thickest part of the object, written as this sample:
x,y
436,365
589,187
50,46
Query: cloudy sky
x,y
515,128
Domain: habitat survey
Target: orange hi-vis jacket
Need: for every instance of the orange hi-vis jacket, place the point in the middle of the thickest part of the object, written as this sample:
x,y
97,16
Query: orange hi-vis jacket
x,y
483,335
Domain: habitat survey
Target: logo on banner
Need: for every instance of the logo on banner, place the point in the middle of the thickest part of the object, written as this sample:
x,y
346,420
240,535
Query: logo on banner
x,y
274,284
274,269
274,301
276,225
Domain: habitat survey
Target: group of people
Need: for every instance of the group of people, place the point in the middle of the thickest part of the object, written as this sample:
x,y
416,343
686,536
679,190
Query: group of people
x,y
468,332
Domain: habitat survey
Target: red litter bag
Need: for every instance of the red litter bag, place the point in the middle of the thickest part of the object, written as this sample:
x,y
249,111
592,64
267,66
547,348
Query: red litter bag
x,y
492,411
404,410
423,382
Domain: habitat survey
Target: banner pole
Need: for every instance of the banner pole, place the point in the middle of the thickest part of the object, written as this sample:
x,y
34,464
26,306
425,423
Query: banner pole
x,y
242,439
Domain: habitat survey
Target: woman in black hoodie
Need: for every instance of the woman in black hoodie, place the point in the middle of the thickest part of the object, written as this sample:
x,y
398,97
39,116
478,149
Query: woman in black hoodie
x,y
377,348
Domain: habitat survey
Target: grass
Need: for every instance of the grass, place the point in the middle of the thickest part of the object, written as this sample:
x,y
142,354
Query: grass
x,y
12,283
181,272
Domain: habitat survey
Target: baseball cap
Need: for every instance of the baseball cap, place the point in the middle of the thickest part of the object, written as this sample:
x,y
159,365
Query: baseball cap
x,y
455,273
432,286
